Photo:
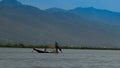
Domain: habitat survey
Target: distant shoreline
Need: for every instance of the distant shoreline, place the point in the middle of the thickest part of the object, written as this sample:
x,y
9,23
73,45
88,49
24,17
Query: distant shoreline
x,y
44,46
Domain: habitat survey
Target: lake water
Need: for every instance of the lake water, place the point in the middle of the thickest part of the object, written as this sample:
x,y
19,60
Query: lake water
x,y
25,58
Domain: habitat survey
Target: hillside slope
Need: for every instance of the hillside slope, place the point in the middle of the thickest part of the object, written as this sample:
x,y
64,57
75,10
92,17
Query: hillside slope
x,y
27,24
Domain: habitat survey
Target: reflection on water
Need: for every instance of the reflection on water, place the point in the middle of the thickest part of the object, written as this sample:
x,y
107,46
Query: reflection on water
x,y
25,58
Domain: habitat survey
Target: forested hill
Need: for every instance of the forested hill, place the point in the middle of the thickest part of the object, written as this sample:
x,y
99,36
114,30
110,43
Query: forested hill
x,y
21,23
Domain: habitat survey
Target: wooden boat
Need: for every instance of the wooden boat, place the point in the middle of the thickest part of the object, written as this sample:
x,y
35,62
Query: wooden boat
x,y
40,51
57,49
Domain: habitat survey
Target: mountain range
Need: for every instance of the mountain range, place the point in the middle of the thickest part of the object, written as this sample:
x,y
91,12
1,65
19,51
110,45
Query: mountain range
x,y
26,24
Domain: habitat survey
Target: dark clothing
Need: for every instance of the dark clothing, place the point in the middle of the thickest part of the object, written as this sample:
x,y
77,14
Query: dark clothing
x,y
57,47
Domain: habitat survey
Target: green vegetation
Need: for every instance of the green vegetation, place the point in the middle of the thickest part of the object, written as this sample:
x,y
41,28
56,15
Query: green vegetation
x,y
89,48
21,46
44,46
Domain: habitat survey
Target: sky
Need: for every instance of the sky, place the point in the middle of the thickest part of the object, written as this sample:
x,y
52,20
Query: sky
x,y
112,5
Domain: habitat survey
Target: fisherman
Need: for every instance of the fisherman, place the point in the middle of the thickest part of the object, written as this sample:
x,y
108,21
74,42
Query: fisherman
x,y
57,47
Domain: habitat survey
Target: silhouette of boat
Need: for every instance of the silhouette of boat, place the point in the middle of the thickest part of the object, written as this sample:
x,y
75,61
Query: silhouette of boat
x,y
57,49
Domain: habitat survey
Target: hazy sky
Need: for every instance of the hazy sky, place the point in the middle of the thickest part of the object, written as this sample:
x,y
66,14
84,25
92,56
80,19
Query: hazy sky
x,y
113,5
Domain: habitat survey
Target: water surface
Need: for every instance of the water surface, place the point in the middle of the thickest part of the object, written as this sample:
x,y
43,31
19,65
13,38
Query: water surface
x,y
25,58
